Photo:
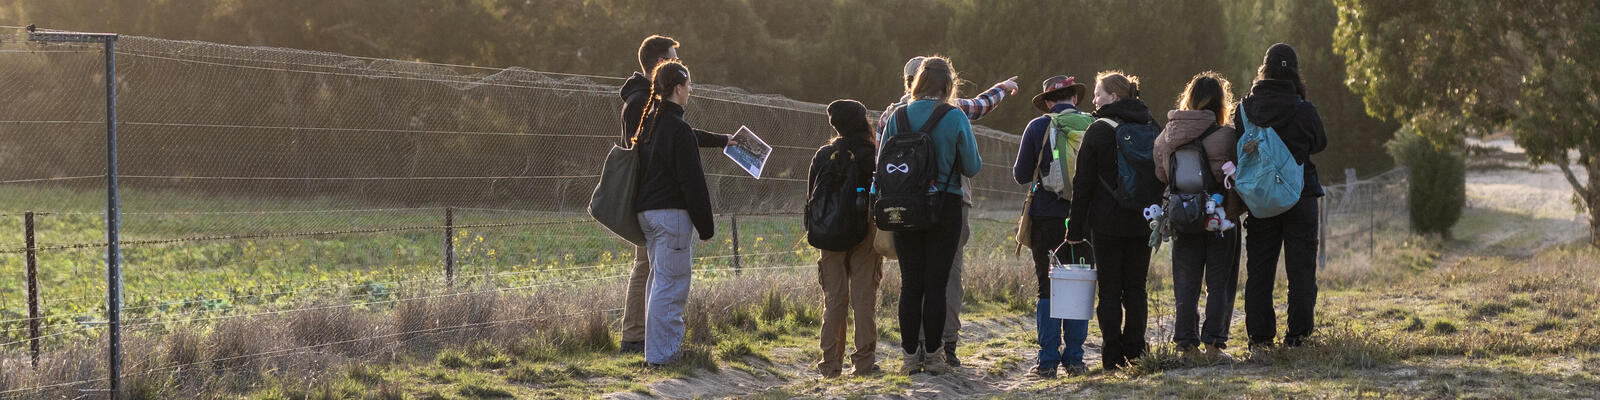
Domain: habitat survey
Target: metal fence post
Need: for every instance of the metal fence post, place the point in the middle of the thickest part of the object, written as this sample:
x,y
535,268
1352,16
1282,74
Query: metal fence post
x,y
1322,232
113,223
33,289
449,247
736,262
113,205
1372,225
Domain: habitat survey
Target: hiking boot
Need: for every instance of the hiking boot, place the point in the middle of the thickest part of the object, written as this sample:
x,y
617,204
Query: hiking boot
x,y
1258,351
912,363
935,363
1039,371
1189,354
872,370
1214,354
950,355
1077,370
1293,342
632,347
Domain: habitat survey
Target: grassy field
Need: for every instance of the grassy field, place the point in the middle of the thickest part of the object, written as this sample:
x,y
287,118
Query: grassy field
x,y
1504,310
279,264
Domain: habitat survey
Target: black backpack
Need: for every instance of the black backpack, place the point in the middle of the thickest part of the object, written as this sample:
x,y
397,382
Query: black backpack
x,y
905,175
1190,184
1136,186
836,212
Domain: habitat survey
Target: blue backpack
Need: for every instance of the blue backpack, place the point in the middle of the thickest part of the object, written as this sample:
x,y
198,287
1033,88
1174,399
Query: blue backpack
x,y
1137,186
1269,179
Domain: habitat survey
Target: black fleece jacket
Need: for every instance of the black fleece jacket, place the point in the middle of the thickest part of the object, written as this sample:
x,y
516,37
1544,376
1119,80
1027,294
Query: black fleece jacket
x,y
1093,208
1274,103
635,93
672,177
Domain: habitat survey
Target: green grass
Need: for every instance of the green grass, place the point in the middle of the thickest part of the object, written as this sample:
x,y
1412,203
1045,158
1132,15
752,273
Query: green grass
x,y
215,277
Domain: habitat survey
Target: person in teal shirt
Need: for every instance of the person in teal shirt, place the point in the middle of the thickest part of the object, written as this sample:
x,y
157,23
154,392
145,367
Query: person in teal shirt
x,y
926,255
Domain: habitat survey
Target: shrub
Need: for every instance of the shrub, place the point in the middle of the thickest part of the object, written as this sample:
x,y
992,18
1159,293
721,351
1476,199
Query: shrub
x,y
1438,182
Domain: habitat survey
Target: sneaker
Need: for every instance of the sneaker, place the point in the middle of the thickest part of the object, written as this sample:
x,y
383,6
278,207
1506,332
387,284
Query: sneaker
x,y
936,363
950,355
1039,371
873,370
632,347
912,363
1077,370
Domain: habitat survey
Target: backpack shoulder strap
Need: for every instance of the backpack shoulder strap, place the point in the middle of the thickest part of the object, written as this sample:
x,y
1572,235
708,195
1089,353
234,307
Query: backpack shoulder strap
x,y
937,116
1044,146
900,119
1110,121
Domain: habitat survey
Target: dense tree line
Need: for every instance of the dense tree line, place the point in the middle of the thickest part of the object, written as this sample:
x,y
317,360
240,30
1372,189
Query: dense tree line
x,y
812,50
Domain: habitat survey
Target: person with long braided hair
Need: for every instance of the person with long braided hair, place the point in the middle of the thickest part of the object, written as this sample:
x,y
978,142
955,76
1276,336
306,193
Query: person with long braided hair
x,y
673,204
635,95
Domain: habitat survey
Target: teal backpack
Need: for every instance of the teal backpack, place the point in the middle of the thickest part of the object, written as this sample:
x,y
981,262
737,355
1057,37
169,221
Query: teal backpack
x,y
1269,179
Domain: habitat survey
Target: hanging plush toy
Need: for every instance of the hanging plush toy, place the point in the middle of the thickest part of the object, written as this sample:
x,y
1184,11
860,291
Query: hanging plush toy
x,y
1217,218
1158,225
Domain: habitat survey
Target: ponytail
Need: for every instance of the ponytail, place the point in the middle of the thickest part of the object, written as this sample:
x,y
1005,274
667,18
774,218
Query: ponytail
x,y
1118,83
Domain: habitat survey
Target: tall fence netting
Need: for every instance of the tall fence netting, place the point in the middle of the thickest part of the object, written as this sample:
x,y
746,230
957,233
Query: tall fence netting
x,y
265,180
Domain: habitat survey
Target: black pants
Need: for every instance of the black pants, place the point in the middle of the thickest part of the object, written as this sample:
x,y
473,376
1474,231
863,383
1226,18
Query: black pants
x,y
1214,260
925,259
1295,232
1046,234
1124,265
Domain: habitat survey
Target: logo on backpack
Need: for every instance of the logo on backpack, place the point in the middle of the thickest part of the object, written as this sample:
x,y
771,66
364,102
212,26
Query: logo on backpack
x,y
1269,179
907,170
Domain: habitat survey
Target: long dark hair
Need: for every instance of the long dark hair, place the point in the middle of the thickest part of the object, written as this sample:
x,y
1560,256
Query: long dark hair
x,y
663,80
1208,91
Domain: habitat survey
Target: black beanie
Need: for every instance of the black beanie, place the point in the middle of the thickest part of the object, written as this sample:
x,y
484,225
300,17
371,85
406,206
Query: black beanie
x,y
849,118
1281,56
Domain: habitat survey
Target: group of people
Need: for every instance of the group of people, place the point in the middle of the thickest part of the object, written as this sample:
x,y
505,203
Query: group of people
x,y
1086,216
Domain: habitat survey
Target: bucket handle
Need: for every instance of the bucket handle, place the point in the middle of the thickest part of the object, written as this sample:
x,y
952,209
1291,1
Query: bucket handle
x,y
1072,252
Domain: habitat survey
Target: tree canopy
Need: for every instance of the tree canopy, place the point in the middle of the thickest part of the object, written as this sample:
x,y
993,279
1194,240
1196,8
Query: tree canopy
x,y
811,50
1454,69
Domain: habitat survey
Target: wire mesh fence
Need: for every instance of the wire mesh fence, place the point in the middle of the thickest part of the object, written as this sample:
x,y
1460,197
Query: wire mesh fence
x,y
1356,212
262,183
266,184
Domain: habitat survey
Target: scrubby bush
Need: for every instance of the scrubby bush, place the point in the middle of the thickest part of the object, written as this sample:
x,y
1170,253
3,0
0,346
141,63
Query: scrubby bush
x,y
1438,181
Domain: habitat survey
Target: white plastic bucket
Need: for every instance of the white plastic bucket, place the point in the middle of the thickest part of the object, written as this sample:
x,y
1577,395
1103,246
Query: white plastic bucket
x,y
1072,292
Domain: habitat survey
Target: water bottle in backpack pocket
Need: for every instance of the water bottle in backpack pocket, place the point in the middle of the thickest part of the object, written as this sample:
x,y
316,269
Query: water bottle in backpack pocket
x,y
1269,179
1136,186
